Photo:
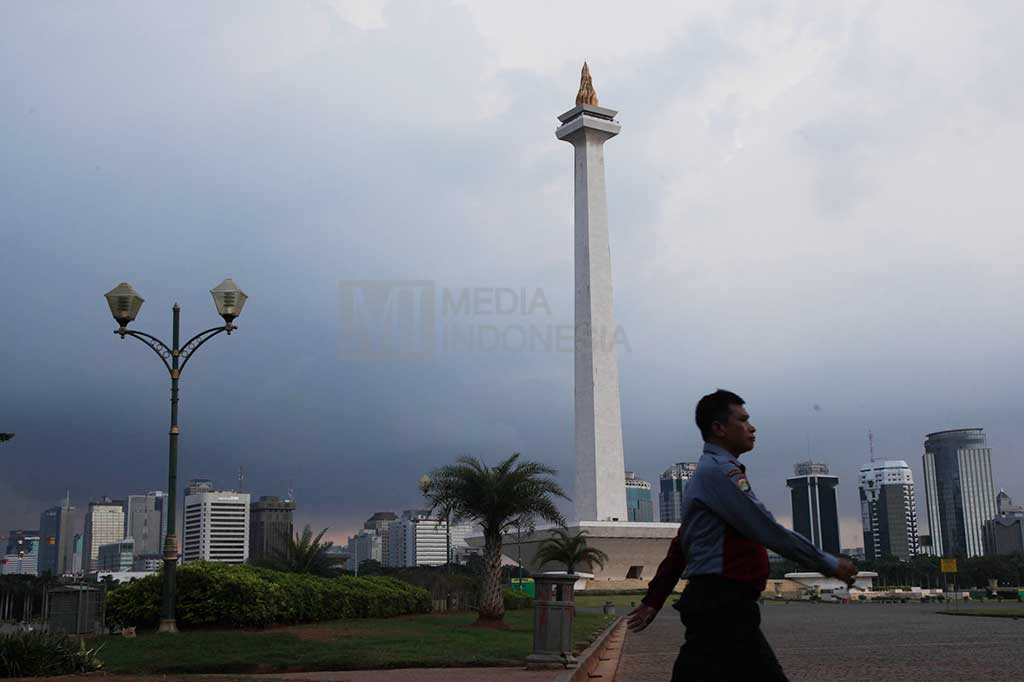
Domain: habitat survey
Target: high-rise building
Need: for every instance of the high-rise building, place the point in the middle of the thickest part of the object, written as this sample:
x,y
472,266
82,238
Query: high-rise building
x,y
639,506
56,537
365,545
270,527
924,545
76,554
1005,530
419,539
216,527
22,556
381,522
198,485
670,494
958,489
146,523
888,510
104,524
116,556
815,514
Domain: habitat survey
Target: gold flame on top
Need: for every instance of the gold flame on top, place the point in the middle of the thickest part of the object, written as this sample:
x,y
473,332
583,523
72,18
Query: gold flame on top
x,y
587,94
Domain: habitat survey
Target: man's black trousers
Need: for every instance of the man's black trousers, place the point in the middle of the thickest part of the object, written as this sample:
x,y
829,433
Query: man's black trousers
x,y
723,635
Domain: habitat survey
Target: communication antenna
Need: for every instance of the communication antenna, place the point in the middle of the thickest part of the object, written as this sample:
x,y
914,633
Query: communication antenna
x,y
871,444
241,479
291,492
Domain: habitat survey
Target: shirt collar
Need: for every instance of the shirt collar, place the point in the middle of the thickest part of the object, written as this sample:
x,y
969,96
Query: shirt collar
x,y
722,453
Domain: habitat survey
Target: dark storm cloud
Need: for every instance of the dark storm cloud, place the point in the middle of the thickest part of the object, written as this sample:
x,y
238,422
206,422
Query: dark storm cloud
x,y
799,212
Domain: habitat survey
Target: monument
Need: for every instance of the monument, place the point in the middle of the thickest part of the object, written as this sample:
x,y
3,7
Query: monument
x,y
600,493
634,549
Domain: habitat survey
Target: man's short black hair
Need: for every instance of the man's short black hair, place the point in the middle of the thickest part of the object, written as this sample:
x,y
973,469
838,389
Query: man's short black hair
x,y
715,407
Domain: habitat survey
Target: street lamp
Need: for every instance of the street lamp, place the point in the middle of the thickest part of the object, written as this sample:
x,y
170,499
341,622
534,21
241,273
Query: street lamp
x,y
125,304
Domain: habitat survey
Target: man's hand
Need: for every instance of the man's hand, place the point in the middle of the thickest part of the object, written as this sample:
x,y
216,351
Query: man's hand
x,y
846,571
640,617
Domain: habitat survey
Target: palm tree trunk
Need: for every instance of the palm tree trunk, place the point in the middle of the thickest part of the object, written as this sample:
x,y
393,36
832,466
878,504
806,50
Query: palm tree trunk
x,y
492,604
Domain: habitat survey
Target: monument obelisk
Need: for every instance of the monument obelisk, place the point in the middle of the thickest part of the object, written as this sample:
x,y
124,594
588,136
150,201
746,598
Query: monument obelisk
x,y
600,493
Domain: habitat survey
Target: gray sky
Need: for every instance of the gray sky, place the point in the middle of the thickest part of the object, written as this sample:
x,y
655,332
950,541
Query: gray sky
x,y
810,204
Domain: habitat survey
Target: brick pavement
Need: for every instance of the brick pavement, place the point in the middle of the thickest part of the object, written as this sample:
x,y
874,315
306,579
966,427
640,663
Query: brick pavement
x,y
863,642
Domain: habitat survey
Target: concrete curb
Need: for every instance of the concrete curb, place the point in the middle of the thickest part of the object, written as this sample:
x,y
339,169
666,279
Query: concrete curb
x,y
600,660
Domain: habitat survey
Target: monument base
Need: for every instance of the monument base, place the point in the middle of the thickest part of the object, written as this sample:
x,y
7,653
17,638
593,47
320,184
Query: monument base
x,y
634,549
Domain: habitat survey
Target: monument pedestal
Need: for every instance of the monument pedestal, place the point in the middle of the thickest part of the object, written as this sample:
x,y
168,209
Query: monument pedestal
x,y
634,549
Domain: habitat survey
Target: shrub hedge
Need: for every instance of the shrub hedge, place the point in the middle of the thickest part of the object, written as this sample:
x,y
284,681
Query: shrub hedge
x,y
227,595
41,654
516,599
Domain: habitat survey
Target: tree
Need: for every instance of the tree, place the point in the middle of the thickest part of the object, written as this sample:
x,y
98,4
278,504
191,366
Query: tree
x,y
306,554
569,549
370,567
497,498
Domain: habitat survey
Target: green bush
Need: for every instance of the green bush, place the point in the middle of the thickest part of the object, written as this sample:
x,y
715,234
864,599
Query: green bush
x,y
514,599
227,595
41,654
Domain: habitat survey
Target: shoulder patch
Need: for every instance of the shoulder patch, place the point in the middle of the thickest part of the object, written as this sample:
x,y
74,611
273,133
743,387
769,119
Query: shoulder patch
x,y
743,484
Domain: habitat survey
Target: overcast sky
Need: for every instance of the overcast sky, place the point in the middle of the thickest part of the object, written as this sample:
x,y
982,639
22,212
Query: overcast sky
x,y
811,204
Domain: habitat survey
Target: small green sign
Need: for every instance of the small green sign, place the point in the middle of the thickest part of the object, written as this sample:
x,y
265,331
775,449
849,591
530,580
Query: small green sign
x,y
525,585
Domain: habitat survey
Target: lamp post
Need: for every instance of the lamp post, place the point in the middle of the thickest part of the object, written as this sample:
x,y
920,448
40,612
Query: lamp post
x,y
125,304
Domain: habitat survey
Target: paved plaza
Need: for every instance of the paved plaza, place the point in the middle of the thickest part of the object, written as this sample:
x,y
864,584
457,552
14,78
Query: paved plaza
x,y
863,642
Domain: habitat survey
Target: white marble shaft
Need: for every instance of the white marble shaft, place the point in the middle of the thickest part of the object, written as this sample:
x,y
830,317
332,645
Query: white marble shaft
x,y
600,493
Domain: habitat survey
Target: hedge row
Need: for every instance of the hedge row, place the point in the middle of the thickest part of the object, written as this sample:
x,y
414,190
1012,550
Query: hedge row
x,y
516,599
226,595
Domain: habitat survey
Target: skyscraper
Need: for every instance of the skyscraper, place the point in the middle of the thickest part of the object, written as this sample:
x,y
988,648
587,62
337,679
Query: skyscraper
x,y
1005,530
270,527
381,523
639,506
815,515
104,524
56,533
419,539
670,496
146,523
888,510
216,527
958,490
22,557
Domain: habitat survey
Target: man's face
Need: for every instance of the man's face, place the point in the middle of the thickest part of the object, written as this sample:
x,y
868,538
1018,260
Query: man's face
x,y
737,434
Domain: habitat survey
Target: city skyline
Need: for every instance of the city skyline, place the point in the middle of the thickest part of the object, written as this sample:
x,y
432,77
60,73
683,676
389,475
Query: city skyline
x,y
788,196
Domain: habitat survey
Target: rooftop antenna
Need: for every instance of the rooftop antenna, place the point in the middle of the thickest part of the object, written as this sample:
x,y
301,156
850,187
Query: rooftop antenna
x,y
291,492
67,500
871,444
241,479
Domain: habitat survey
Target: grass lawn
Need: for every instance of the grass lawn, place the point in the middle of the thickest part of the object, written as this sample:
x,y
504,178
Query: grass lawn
x,y
407,641
987,613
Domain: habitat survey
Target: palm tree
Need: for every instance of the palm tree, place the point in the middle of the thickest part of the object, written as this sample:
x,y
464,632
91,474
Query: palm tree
x,y
570,549
306,554
497,498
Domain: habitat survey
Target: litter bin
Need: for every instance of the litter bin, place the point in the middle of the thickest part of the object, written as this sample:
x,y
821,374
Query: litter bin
x,y
554,610
76,609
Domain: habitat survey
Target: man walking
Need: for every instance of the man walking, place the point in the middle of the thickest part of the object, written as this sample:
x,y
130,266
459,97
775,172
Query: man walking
x,y
721,547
